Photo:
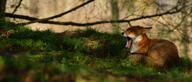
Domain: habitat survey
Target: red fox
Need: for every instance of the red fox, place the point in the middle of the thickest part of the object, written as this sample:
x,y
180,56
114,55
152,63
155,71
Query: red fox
x,y
157,53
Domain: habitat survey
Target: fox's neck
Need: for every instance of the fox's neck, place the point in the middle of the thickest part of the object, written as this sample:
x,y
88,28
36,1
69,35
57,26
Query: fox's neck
x,y
140,44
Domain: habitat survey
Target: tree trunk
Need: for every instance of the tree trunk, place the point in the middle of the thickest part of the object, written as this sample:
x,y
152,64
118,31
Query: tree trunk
x,y
185,39
2,7
115,15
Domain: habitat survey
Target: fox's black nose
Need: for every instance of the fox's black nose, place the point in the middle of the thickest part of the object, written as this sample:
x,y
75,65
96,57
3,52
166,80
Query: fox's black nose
x,y
122,33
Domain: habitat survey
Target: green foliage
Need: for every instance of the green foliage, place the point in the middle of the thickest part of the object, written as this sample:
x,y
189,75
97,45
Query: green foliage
x,y
73,56
4,24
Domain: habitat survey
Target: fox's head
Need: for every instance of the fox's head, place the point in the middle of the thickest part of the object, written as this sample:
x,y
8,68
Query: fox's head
x,y
135,31
134,34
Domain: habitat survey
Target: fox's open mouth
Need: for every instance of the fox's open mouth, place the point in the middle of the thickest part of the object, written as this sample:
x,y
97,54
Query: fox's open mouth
x,y
129,43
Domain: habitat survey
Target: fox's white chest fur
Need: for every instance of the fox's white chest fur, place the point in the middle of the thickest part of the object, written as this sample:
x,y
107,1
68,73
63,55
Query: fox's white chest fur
x,y
135,47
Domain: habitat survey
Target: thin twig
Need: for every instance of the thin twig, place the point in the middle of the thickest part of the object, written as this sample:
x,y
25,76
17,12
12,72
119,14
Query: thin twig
x,y
19,4
59,15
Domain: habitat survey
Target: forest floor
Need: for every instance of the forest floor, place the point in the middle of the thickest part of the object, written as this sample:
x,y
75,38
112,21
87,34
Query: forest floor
x,y
79,56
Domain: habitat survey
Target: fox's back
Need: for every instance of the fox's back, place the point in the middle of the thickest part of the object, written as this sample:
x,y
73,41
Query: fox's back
x,y
163,51
163,45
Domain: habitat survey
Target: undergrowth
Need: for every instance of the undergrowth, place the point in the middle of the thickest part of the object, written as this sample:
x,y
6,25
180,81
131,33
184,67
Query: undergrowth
x,y
83,55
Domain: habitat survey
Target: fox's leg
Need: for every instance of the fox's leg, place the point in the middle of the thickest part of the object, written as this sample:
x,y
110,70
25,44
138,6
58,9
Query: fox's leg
x,y
136,58
155,60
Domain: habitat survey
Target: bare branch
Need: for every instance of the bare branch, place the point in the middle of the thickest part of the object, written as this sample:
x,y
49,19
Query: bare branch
x,y
20,16
59,15
17,6
91,23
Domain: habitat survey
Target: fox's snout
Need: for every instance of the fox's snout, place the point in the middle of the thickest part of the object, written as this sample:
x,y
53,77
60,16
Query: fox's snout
x,y
123,34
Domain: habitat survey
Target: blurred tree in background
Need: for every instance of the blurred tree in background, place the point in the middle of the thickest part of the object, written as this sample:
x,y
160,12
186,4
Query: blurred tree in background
x,y
2,6
115,14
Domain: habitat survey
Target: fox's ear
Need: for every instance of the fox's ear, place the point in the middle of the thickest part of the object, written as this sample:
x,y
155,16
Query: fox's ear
x,y
146,29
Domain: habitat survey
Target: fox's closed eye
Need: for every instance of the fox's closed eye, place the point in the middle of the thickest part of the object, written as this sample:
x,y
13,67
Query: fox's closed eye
x,y
131,31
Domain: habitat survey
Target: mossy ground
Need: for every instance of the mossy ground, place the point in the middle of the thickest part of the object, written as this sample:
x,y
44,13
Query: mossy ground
x,y
83,55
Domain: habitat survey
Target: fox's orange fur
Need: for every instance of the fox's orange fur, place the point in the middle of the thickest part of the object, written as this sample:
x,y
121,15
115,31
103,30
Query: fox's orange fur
x,y
158,53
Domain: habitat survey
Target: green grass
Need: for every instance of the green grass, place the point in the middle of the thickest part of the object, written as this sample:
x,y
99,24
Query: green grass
x,y
83,55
